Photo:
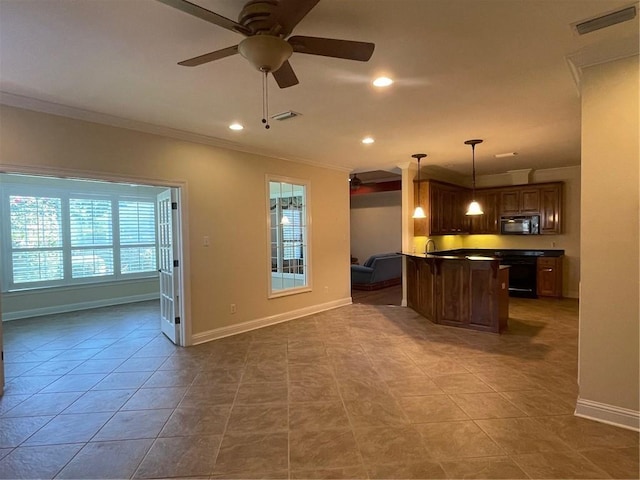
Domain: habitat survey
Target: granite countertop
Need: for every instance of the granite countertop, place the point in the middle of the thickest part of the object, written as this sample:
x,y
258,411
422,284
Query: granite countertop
x,y
484,254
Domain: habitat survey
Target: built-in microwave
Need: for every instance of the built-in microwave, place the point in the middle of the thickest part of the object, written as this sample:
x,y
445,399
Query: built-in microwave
x,y
520,225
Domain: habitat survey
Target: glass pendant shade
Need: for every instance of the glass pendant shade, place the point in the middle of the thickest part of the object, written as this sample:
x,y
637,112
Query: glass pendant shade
x,y
419,213
284,220
474,209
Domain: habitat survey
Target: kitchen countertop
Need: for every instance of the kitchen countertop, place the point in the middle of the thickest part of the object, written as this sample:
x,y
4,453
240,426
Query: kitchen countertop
x,y
496,253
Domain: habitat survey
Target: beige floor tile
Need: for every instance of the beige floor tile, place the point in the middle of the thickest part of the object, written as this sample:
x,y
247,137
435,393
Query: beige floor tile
x,y
322,449
252,454
375,413
253,393
72,428
180,457
421,470
186,421
489,468
522,435
461,383
258,418
617,462
450,440
413,386
201,396
357,357
37,462
355,473
432,408
150,398
559,465
99,460
539,403
391,445
486,405
318,416
581,433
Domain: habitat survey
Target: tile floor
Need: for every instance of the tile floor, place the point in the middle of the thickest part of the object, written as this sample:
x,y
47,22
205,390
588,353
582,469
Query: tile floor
x,y
364,391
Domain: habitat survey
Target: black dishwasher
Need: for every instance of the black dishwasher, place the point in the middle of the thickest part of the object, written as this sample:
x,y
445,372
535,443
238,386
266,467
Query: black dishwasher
x,y
522,274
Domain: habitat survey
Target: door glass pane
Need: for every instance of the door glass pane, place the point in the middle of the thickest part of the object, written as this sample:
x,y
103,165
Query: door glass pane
x,y
288,236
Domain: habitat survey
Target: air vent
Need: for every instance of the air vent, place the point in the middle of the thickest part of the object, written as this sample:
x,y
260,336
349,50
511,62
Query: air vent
x,y
285,115
605,21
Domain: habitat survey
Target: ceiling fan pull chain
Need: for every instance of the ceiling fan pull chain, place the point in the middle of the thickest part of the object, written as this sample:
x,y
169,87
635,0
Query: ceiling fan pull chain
x,y
265,102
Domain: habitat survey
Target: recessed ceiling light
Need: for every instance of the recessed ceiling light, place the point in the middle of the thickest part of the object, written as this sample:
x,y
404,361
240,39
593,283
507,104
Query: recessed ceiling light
x,y
236,126
382,82
367,140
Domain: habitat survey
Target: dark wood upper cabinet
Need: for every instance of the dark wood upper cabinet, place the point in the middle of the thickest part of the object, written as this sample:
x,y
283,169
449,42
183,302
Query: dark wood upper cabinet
x,y
448,206
550,208
445,206
520,200
489,222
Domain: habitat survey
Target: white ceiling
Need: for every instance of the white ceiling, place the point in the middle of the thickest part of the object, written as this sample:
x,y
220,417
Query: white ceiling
x,y
491,69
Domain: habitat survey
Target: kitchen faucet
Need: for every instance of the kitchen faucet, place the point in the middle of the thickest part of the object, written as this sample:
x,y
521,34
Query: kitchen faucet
x,y
426,247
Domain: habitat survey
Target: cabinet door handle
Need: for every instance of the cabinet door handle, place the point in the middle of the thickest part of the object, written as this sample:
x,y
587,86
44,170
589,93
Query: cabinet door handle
x,y
547,269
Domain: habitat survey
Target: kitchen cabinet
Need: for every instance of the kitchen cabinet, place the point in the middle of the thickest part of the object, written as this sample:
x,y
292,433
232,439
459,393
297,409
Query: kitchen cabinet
x,y
489,222
448,206
445,206
459,292
549,276
421,226
550,208
520,200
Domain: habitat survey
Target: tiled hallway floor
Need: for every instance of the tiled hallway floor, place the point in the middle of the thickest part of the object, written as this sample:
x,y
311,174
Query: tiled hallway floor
x,y
364,391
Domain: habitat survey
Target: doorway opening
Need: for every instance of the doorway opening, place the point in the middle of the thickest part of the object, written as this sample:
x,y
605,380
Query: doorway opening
x,y
76,244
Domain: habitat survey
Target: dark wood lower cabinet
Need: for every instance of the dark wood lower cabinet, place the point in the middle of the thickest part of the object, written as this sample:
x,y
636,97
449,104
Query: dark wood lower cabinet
x,y
459,292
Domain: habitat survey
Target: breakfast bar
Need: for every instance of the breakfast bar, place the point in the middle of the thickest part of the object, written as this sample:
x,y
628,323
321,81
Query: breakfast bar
x,y
457,290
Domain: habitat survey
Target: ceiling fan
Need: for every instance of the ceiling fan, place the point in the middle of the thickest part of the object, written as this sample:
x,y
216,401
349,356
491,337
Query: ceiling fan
x,y
267,25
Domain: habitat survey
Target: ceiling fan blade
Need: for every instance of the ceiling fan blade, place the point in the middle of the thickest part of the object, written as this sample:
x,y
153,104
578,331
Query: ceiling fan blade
x,y
330,47
289,13
285,76
209,57
207,15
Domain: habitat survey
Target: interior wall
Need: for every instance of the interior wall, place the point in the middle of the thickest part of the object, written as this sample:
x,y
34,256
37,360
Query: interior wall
x,y
376,224
609,333
226,198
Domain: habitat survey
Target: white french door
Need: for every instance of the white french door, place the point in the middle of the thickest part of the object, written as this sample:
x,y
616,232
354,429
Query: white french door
x,y
168,265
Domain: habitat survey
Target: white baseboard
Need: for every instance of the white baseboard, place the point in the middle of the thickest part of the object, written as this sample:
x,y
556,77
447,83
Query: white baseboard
x,y
74,307
217,333
602,412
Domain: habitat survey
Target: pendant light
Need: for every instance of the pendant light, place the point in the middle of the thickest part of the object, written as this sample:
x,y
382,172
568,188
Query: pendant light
x,y
474,207
419,211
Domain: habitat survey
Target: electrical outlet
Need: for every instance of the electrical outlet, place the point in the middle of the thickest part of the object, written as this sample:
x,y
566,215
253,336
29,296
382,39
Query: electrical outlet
x,y
232,308
205,241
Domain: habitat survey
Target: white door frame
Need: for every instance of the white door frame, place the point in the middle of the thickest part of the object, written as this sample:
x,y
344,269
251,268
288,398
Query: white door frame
x,y
182,227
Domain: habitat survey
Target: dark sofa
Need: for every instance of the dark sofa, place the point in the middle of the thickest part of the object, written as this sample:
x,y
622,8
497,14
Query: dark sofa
x,y
379,271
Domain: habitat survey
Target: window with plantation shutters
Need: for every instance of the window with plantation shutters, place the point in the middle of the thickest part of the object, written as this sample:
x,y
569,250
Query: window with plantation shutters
x,y
36,238
92,232
91,229
137,236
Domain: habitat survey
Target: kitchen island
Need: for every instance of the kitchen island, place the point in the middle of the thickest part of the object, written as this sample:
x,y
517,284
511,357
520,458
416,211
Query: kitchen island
x,y
459,290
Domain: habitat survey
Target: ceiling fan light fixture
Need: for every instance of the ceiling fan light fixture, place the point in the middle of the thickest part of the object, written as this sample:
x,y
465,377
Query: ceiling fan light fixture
x,y
265,52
